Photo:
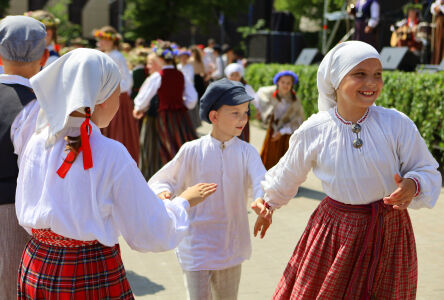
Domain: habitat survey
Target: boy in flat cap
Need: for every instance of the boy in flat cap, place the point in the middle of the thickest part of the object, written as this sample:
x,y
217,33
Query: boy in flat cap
x,y
218,240
22,54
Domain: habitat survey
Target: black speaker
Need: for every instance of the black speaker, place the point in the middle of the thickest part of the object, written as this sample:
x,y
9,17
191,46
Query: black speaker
x,y
398,58
275,46
309,56
282,21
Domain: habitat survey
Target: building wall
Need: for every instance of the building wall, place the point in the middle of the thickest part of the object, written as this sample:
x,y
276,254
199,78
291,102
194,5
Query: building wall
x,y
95,15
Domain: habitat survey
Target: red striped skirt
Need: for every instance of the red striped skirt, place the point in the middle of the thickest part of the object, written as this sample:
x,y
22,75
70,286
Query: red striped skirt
x,y
54,267
175,129
353,252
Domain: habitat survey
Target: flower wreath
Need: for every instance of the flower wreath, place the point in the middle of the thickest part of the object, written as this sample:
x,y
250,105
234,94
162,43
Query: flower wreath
x,y
48,21
106,35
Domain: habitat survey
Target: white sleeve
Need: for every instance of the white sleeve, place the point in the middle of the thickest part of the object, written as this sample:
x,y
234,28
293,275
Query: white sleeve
x,y
250,92
189,94
283,180
146,222
435,4
171,176
418,163
126,83
147,91
24,126
256,172
374,13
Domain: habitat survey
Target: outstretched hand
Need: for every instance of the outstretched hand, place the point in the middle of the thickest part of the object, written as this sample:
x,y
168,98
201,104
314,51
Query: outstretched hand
x,y
403,195
259,208
261,225
138,114
198,193
164,195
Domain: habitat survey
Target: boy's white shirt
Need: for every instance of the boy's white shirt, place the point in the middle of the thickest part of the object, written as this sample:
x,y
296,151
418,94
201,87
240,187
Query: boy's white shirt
x,y
219,235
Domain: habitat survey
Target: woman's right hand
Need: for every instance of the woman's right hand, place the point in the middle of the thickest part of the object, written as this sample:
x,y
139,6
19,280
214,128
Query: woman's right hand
x,y
198,193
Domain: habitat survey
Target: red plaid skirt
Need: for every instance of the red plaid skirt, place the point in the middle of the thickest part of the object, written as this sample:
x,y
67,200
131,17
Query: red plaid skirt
x,y
353,252
78,272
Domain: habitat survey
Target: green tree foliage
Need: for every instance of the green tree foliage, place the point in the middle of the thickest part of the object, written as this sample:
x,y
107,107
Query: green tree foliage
x,y
4,5
65,30
152,19
312,9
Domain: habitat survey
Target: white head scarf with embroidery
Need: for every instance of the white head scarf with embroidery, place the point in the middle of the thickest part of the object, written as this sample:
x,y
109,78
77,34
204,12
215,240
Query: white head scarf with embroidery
x,y
81,78
335,65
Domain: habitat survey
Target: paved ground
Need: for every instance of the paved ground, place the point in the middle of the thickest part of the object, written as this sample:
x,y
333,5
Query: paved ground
x,y
158,275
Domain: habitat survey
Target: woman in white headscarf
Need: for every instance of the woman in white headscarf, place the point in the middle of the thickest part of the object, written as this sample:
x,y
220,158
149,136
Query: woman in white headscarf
x,y
75,209
373,165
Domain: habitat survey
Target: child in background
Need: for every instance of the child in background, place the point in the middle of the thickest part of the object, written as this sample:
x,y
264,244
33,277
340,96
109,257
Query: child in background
x,y
50,23
123,128
373,164
218,240
235,72
76,209
280,108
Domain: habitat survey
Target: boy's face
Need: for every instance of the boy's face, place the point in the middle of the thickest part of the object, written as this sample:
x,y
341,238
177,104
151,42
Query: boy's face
x,y
362,85
229,121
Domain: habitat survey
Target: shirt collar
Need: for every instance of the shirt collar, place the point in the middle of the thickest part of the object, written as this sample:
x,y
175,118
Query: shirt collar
x,y
168,67
14,79
219,143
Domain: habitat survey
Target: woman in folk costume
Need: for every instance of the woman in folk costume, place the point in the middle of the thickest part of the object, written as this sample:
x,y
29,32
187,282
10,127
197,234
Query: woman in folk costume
x,y
437,9
176,96
235,72
76,204
366,13
280,108
373,164
50,23
123,128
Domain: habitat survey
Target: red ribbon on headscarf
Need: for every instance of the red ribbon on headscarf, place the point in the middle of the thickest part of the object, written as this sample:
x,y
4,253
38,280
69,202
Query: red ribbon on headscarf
x,y
85,132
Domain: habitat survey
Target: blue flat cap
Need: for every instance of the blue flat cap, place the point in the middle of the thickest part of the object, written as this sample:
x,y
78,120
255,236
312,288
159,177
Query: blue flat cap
x,y
22,39
222,92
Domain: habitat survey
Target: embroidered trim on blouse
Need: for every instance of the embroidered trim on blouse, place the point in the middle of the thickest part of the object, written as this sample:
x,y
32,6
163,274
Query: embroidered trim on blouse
x,y
348,122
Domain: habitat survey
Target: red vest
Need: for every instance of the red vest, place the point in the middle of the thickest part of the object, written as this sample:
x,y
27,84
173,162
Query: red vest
x,y
171,90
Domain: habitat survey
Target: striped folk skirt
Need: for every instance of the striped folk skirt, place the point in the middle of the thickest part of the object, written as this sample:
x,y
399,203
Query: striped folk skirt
x,y
54,267
149,161
124,127
174,129
272,151
353,252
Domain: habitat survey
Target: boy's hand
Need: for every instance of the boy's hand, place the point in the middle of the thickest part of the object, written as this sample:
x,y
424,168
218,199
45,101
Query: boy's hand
x,y
259,208
198,193
164,195
261,225
403,195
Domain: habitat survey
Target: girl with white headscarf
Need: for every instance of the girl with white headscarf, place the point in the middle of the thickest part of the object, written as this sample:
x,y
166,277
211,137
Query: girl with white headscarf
x,y
75,209
373,164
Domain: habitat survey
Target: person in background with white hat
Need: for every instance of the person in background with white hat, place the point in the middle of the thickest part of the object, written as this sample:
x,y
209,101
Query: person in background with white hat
x,y
373,165
22,53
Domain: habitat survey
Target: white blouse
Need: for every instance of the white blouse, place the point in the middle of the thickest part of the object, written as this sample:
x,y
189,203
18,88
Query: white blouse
x,y
391,144
102,203
149,89
126,83
219,235
187,71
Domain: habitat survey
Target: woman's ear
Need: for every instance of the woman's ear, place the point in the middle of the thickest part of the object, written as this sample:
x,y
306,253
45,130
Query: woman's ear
x,y
212,116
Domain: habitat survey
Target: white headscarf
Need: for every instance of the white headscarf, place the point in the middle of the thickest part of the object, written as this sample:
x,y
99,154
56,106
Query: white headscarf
x,y
336,64
234,67
81,78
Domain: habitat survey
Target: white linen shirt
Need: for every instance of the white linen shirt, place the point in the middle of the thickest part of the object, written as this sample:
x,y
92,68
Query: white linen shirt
x,y
391,144
127,77
102,203
219,235
150,86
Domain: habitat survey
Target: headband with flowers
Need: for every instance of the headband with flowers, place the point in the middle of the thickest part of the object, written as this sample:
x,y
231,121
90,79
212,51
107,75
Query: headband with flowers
x,y
165,53
99,34
48,21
